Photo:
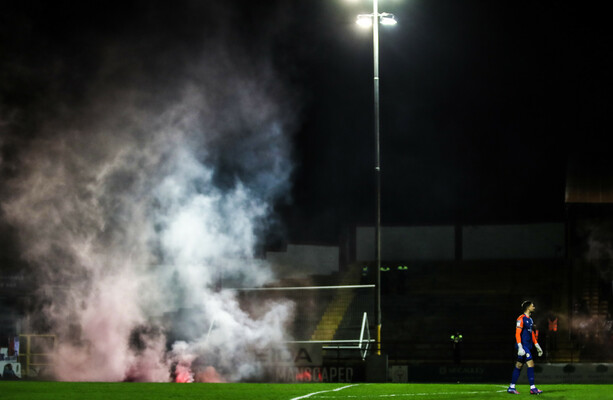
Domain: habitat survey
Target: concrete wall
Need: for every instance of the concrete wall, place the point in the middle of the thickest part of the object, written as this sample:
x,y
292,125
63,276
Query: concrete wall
x,y
481,242
536,241
407,243
300,261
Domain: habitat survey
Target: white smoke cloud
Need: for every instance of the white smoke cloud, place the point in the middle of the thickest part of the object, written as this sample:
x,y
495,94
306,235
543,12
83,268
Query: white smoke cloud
x,y
136,204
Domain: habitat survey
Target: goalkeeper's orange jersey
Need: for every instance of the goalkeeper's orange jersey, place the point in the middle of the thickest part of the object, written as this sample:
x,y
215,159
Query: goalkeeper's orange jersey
x,y
524,333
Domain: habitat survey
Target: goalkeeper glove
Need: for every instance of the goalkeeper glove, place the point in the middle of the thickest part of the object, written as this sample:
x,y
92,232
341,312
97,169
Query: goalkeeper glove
x,y
520,350
538,349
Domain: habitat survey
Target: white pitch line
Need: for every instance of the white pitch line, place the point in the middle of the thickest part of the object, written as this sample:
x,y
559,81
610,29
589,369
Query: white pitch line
x,y
415,394
407,394
323,391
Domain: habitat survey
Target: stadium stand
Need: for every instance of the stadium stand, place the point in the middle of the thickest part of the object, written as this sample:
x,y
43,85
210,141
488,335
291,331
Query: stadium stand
x,y
423,303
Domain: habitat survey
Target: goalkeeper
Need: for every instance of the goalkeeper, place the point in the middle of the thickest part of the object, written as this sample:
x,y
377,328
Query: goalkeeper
x,y
525,339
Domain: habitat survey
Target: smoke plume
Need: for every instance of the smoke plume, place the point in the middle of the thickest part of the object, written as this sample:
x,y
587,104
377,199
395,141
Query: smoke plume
x,y
134,198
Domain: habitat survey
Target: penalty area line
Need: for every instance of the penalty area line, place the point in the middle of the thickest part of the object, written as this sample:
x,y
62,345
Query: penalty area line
x,y
323,391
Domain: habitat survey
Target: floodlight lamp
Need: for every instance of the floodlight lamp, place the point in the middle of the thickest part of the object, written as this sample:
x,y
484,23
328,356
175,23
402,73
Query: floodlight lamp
x,y
364,20
387,19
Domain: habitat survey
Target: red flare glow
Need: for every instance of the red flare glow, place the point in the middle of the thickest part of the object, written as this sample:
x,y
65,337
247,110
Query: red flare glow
x,y
307,376
303,376
184,374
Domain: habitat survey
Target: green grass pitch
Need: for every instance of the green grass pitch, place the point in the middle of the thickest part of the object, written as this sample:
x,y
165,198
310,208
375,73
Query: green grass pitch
x,y
28,390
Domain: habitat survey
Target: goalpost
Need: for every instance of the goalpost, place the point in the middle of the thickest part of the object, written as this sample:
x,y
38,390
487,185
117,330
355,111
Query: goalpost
x,y
362,343
337,317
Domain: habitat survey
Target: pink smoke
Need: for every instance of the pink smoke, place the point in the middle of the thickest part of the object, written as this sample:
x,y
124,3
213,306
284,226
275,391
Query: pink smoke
x,y
209,375
119,215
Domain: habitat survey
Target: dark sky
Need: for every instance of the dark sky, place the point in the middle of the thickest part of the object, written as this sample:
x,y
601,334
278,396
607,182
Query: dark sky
x,y
481,101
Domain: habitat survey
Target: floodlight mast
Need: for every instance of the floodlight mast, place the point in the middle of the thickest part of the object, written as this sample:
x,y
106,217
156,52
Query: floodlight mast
x,y
374,20
375,46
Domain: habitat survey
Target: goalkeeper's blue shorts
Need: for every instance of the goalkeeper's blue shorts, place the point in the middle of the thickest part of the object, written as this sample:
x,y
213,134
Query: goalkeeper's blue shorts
x,y
528,356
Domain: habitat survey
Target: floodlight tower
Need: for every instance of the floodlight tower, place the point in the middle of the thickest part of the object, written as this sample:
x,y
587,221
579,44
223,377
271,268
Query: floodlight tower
x,y
367,20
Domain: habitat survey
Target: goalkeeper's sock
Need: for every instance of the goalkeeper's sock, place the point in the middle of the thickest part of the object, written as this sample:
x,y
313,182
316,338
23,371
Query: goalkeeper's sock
x,y
515,377
531,377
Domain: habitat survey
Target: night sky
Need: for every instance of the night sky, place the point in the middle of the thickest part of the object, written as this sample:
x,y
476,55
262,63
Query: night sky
x,y
482,102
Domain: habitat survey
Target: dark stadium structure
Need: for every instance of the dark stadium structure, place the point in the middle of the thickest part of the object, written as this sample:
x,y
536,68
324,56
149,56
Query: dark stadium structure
x,y
425,301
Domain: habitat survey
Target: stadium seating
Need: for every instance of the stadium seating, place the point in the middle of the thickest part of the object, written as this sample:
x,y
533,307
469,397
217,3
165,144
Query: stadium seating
x,y
424,303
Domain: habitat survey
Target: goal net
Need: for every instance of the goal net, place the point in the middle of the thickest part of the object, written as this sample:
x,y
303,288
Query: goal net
x,y
337,317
